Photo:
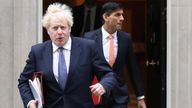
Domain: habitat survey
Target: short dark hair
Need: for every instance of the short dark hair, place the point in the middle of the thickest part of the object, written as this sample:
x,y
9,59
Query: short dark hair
x,y
110,7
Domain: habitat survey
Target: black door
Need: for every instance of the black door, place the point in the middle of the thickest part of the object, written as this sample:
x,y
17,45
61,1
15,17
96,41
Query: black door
x,y
156,54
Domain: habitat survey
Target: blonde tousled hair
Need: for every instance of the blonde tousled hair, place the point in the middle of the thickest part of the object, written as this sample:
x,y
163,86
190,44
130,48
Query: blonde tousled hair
x,y
59,10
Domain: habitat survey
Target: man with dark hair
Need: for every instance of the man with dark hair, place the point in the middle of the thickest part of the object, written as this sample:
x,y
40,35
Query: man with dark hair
x,y
116,47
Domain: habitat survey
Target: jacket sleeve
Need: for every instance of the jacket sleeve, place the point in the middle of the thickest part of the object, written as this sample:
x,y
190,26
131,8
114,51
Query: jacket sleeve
x,y
27,73
103,71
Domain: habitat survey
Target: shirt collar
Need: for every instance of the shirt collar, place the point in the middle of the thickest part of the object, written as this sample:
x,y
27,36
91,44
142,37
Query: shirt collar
x,y
67,45
106,34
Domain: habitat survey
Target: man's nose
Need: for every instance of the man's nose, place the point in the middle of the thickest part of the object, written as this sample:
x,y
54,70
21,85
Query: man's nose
x,y
59,31
122,18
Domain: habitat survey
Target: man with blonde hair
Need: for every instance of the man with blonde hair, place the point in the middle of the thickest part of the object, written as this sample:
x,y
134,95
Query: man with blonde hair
x,y
68,65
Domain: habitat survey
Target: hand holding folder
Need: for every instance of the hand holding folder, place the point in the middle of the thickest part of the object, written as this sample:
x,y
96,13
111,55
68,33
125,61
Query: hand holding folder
x,y
36,86
96,99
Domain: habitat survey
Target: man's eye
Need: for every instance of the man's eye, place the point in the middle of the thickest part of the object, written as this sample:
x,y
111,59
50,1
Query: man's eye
x,y
62,28
118,15
55,28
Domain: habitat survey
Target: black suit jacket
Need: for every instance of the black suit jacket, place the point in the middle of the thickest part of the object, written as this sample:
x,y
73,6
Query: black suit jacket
x,y
78,15
84,64
125,56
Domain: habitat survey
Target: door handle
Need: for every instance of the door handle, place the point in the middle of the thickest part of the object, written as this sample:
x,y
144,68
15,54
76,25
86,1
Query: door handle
x,y
152,63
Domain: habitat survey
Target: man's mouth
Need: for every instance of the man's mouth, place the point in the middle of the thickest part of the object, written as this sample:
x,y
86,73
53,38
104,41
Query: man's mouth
x,y
60,38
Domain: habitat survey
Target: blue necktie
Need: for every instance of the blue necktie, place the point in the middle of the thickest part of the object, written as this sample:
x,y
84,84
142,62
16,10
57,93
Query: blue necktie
x,y
62,69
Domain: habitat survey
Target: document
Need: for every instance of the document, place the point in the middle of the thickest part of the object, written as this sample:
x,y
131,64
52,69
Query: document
x,y
36,88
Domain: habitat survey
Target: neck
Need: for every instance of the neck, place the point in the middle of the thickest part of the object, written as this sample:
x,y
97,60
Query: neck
x,y
109,29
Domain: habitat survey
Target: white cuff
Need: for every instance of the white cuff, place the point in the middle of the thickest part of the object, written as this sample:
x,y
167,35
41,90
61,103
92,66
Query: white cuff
x,y
29,103
140,97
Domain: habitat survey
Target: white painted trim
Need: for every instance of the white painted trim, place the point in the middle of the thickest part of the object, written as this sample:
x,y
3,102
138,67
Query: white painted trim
x,y
168,54
39,18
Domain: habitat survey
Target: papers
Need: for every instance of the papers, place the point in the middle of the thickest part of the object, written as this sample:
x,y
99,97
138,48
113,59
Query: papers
x,y
36,88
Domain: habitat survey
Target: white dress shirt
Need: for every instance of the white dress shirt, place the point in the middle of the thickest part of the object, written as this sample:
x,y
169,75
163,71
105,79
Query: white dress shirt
x,y
67,53
105,40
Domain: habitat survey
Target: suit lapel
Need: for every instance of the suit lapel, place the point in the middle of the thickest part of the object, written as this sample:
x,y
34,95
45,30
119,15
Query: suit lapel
x,y
99,41
75,54
120,42
48,54
48,58
120,46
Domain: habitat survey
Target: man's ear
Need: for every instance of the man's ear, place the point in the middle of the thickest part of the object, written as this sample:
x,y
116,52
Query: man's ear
x,y
105,17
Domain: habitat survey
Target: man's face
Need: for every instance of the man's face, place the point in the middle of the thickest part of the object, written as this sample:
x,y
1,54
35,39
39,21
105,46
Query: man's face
x,y
115,20
59,31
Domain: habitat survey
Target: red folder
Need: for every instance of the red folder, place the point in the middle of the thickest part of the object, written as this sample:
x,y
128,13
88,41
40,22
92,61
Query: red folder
x,y
96,99
36,85
40,76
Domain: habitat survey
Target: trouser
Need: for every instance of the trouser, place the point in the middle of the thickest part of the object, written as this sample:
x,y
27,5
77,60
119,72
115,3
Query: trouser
x,y
112,104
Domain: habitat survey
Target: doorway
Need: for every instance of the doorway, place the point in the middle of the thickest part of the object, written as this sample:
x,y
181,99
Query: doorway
x,y
146,21
156,53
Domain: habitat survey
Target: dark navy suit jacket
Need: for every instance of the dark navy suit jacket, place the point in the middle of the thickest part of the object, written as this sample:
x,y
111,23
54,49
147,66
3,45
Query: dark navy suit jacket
x,y
125,57
84,63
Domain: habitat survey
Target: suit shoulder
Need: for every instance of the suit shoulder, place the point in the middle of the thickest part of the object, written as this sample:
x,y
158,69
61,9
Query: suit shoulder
x,y
83,40
125,35
92,34
84,43
88,35
41,46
